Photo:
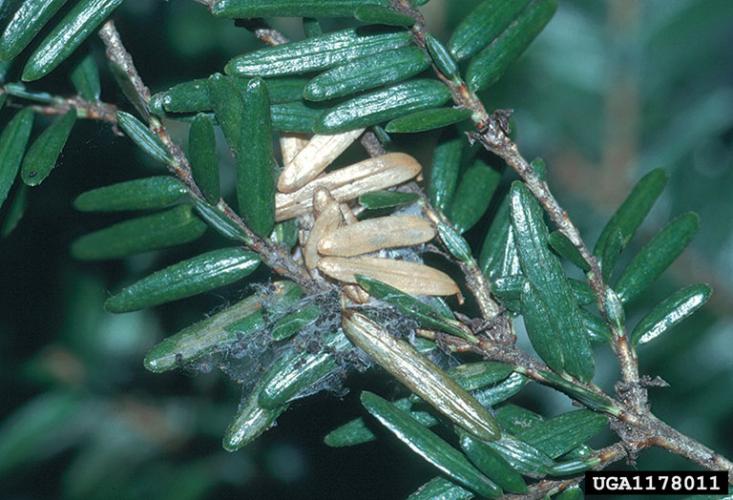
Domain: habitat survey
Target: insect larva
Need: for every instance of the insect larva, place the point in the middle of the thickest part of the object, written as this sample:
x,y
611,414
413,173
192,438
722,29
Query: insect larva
x,y
349,216
350,182
356,294
327,220
353,292
376,234
291,145
410,277
313,159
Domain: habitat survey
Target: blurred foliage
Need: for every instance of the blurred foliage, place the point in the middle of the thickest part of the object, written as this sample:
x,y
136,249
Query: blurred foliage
x,y
608,91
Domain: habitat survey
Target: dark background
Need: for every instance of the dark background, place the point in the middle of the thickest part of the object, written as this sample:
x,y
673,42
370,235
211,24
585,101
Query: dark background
x,y
610,90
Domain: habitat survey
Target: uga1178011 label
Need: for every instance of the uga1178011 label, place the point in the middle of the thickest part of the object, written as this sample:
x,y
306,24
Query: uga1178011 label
x,y
655,483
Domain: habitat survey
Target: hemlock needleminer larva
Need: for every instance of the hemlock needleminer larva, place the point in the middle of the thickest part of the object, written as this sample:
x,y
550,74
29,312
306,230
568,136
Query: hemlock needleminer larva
x,y
354,292
328,219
